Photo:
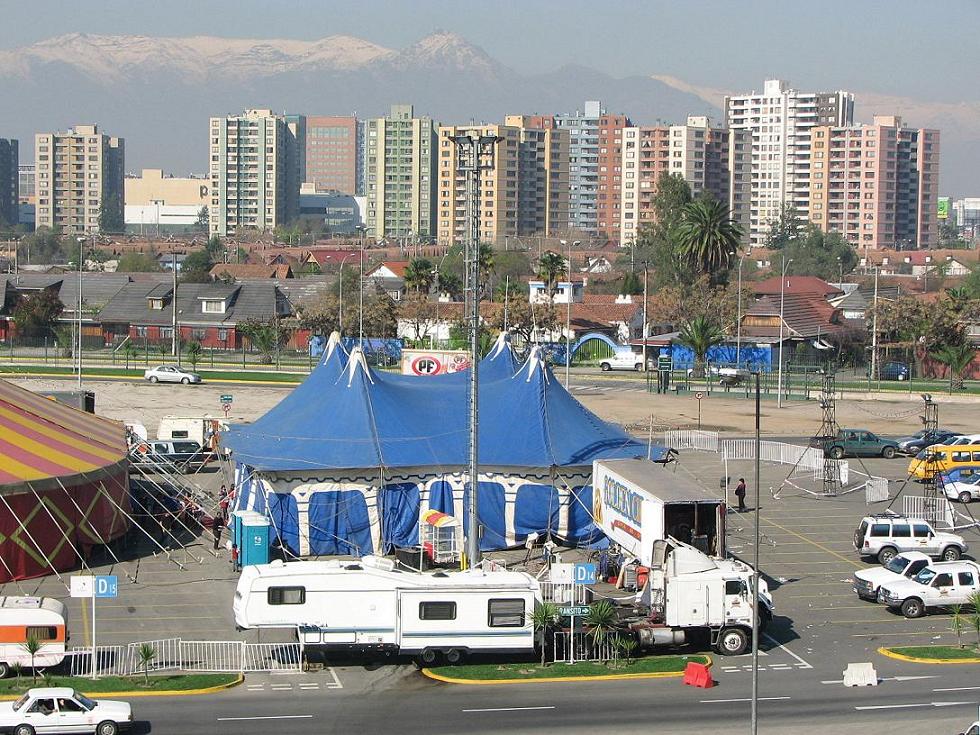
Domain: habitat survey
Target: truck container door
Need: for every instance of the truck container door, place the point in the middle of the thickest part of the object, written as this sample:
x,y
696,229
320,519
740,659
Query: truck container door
x,y
721,532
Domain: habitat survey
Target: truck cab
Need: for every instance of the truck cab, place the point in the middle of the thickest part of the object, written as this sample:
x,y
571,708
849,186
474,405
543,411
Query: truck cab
x,y
939,585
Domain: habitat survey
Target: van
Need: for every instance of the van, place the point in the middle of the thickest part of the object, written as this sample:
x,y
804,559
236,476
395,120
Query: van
x,y
21,618
943,458
181,456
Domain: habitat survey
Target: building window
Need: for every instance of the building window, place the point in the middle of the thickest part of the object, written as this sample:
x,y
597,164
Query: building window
x,y
223,335
213,306
287,595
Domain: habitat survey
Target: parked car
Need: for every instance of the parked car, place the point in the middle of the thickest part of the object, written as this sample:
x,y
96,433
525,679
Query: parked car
x,y
966,490
622,360
906,564
974,729
886,535
894,371
181,455
921,439
958,439
855,443
938,585
171,374
63,710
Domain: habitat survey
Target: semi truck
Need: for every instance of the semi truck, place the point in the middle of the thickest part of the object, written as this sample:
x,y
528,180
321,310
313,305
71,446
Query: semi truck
x,y
367,604
637,502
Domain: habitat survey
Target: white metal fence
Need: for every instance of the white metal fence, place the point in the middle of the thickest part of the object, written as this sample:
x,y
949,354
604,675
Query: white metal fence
x,y
705,441
804,458
936,510
581,646
564,593
875,490
175,654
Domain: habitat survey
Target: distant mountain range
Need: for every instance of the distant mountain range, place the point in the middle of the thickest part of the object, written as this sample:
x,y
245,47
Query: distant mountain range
x,y
158,92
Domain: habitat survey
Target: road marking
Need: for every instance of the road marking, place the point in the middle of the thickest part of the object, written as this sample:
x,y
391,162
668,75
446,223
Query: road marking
x,y
901,678
266,717
917,704
956,689
744,699
818,545
335,684
509,709
802,664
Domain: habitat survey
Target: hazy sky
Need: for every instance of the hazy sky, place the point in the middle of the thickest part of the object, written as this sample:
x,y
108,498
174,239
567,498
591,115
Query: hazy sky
x,y
901,47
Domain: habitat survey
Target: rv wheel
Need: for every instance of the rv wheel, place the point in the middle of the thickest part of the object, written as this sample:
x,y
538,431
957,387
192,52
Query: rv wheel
x,y
455,656
428,656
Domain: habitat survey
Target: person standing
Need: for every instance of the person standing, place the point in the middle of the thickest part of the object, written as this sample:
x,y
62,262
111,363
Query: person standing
x,y
740,494
216,525
234,557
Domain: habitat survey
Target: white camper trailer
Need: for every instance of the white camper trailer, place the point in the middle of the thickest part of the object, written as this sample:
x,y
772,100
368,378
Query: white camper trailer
x,y
24,617
368,605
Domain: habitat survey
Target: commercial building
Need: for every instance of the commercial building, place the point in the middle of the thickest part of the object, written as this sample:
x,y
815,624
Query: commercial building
x,y
9,161
877,185
779,120
400,175
79,175
341,213
966,215
157,203
254,166
712,160
332,153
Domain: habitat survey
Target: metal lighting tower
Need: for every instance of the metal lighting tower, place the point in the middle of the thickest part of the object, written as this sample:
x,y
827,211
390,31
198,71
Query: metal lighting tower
x,y
78,313
474,154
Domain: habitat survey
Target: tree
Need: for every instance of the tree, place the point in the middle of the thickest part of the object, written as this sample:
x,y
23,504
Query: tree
x,y
196,267
419,314
631,284
656,243
824,255
146,652
707,238
111,218
215,247
957,623
138,263
512,264
600,620
32,646
523,319
37,313
544,618
194,353
700,335
788,227
975,616
957,358
267,337
550,267
451,284
419,275
43,246
203,218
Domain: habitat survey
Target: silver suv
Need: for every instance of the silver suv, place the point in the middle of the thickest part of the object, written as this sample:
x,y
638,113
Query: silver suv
x,y
886,535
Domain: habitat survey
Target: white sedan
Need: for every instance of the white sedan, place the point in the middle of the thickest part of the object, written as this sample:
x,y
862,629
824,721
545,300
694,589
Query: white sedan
x,y
171,374
63,710
965,490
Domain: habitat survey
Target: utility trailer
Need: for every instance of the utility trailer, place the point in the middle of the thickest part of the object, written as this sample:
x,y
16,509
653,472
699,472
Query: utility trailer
x,y
368,605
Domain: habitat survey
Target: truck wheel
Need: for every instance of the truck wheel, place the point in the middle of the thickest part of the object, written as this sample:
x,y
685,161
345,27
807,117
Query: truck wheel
x,y
606,367
837,452
428,656
887,554
965,497
455,656
638,367
951,553
913,608
732,642
23,730
4,670
888,452
107,727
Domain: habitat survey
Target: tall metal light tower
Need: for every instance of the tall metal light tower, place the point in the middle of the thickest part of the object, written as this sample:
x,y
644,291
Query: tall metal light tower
x,y
474,154
829,428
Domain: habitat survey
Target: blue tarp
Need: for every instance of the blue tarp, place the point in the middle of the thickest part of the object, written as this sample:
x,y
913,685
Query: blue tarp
x,y
339,524
345,415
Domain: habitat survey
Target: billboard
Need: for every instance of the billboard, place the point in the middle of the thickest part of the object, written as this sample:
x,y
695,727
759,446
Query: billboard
x,y
434,362
943,209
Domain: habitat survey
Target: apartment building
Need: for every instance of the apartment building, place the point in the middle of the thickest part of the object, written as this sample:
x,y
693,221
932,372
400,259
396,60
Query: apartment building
x,y
254,164
779,120
877,184
542,188
499,186
9,199
332,162
78,175
713,160
400,175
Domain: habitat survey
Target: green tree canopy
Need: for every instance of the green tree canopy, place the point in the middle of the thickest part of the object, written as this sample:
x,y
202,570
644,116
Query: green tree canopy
x,y
36,313
196,267
824,255
419,275
550,267
700,335
138,263
44,246
707,238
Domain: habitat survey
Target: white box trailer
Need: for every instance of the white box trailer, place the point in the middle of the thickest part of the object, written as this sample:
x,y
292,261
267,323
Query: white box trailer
x,y
202,429
637,503
40,617
368,605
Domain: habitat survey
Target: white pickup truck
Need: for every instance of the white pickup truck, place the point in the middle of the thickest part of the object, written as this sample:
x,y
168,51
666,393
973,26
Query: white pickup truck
x,y
907,564
938,585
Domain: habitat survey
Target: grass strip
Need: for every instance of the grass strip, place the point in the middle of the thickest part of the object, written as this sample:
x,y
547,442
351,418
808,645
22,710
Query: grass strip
x,y
937,652
109,684
645,665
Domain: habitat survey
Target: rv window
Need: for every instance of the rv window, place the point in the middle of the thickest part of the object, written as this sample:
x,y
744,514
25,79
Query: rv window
x,y
287,595
437,611
42,632
506,614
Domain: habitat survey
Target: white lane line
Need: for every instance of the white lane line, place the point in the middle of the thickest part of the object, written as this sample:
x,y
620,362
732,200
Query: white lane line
x,y
916,704
956,689
266,717
508,709
744,699
803,664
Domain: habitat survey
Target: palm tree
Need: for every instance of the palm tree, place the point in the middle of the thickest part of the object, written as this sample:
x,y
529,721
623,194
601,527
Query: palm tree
x,y
975,616
957,623
700,335
957,358
32,646
550,267
544,617
146,652
419,275
487,263
600,620
707,237
194,353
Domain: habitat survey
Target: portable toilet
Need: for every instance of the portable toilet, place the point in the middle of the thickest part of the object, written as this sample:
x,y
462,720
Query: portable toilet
x,y
253,547
236,526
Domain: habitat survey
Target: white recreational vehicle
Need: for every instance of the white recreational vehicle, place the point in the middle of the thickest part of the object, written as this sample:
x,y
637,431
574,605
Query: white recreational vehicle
x,y
366,604
23,617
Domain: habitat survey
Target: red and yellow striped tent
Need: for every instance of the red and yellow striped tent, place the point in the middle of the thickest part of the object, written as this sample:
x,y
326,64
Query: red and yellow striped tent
x,y
63,483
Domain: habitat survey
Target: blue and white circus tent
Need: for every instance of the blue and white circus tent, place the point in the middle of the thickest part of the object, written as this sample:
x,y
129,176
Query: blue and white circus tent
x,y
349,459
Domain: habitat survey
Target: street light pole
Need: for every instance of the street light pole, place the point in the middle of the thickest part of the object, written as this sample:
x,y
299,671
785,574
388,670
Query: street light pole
x,y
755,571
782,289
173,304
78,313
340,296
738,323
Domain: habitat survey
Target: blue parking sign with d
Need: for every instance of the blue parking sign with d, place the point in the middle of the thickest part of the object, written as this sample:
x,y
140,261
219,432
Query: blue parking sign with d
x,y
584,574
106,586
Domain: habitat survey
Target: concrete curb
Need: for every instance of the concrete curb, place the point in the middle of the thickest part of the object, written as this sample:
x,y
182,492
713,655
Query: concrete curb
x,y
554,679
918,660
160,693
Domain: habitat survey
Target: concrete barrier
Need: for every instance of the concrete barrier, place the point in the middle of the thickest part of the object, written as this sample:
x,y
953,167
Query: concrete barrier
x,y
860,675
